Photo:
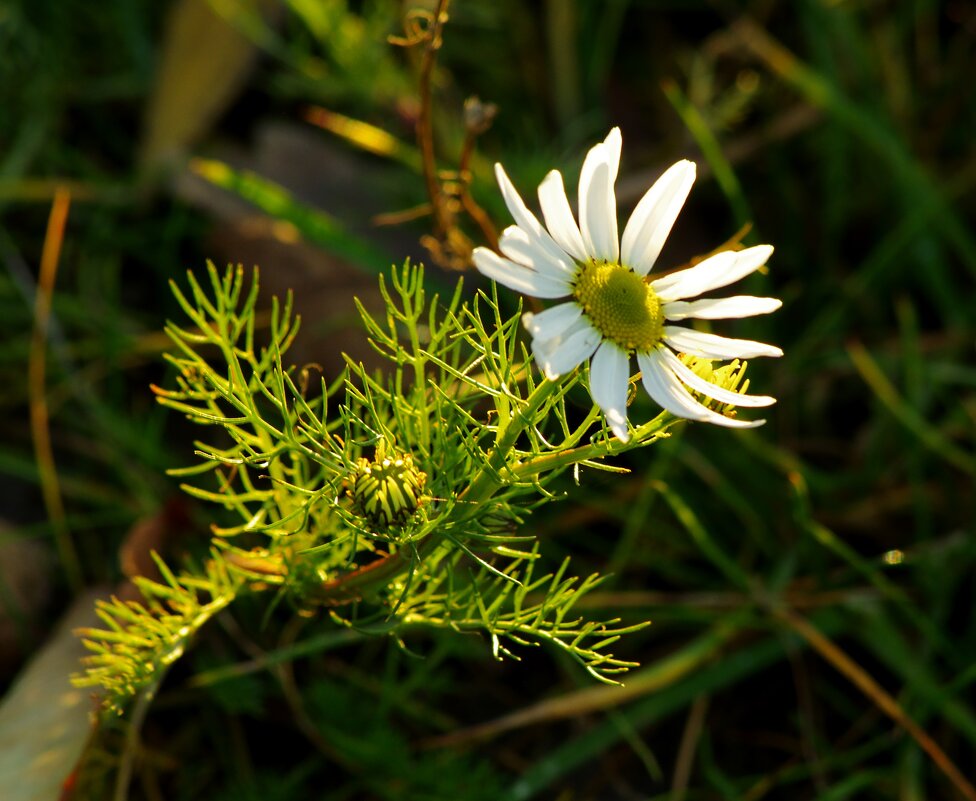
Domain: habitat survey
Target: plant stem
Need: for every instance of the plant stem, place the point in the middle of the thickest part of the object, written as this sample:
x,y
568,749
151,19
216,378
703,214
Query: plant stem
x,y
143,701
425,128
359,582
475,212
553,461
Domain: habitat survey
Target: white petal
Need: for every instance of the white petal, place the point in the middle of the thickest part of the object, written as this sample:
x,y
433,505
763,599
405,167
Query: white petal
x,y
553,322
524,218
519,211
559,216
609,379
522,248
598,224
613,144
695,343
719,308
694,280
716,271
598,214
517,277
653,217
561,354
699,384
666,390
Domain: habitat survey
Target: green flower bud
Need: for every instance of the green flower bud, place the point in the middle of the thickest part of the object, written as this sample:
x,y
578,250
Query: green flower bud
x,y
388,490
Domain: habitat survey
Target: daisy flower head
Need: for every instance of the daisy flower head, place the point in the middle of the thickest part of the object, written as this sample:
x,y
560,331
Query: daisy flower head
x,y
613,308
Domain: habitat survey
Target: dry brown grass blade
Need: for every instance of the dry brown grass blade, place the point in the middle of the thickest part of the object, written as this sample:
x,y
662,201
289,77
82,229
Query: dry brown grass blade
x,y
883,700
37,391
689,745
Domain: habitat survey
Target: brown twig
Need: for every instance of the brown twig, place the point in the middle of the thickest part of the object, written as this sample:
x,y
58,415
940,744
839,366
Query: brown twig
x,y
425,127
448,192
403,216
36,380
478,117
480,217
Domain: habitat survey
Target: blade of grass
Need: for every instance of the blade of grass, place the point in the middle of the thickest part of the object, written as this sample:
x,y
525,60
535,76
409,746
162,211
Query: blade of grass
x,y
312,645
795,473
861,679
366,137
733,668
918,397
863,125
887,643
885,391
315,225
888,588
689,745
36,380
884,260
819,642
726,565
709,145
562,29
651,679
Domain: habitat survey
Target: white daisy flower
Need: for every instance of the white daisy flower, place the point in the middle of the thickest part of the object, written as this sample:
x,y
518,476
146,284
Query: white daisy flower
x,y
613,309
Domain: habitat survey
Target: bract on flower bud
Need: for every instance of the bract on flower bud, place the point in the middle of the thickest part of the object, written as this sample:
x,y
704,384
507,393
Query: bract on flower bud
x,y
388,490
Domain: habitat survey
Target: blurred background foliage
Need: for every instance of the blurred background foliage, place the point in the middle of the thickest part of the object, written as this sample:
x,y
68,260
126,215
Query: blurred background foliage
x,y
810,583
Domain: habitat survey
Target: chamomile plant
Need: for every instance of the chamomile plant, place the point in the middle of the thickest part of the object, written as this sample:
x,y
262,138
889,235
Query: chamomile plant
x,y
614,309
399,499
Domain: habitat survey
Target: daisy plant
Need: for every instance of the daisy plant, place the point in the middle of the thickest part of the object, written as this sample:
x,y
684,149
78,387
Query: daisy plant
x,y
614,309
391,500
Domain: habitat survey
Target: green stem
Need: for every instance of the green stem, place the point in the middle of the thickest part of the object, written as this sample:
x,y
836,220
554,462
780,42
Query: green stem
x,y
485,483
361,582
127,763
555,461
420,381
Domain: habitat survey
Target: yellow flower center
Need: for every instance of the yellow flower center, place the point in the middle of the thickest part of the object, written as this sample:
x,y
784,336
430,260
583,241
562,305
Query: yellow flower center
x,y
621,306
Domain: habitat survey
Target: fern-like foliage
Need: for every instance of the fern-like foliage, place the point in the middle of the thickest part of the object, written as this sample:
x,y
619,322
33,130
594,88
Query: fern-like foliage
x,y
395,498
142,639
514,607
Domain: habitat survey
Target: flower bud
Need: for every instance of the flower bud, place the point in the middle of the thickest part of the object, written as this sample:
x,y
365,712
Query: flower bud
x,y
388,490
